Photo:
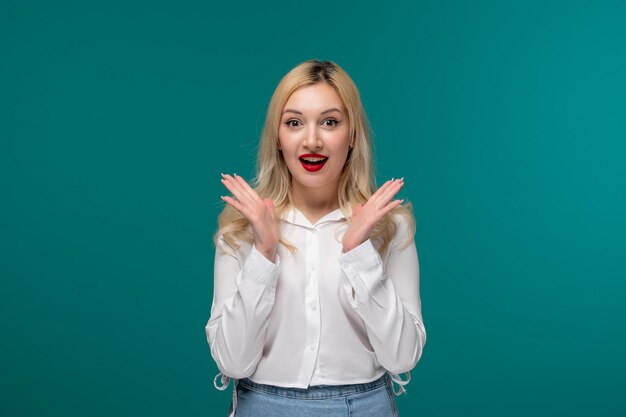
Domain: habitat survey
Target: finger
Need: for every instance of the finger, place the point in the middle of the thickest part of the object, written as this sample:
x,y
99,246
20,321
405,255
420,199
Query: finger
x,y
232,182
247,188
241,184
384,195
391,206
390,192
241,208
236,195
374,198
235,188
232,202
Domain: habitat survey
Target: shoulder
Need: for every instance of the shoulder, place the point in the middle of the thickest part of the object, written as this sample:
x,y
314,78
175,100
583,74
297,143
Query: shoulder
x,y
232,246
405,228
404,221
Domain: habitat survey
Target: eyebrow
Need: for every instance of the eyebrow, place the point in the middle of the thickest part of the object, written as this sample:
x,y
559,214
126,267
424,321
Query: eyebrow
x,y
324,112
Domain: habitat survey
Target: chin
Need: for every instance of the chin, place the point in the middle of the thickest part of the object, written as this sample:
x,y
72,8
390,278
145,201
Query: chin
x,y
322,178
315,182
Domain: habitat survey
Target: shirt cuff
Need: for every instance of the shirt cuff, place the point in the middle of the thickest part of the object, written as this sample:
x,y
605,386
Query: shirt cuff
x,y
261,269
361,258
363,269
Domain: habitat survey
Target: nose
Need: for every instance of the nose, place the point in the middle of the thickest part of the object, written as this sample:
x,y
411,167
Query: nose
x,y
312,140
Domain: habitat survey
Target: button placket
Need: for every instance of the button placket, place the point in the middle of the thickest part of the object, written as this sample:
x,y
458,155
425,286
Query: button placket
x,y
315,249
312,311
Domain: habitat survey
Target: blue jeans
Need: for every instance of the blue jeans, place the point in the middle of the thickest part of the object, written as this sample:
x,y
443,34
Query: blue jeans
x,y
371,399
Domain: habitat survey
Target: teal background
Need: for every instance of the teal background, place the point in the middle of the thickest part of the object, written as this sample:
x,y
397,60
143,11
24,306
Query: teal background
x,y
506,119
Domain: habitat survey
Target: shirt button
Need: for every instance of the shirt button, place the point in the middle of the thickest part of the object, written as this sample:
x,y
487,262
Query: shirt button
x,y
313,267
313,306
312,347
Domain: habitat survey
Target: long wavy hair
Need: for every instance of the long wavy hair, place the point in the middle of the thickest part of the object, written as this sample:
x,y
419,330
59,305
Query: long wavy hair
x,y
273,179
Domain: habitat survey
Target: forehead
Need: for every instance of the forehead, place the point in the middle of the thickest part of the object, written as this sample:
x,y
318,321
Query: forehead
x,y
313,98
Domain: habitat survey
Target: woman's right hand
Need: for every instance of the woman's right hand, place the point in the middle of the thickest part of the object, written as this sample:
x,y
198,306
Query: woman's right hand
x,y
260,214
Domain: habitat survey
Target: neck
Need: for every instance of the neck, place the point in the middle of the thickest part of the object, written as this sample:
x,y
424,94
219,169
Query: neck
x,y
314,203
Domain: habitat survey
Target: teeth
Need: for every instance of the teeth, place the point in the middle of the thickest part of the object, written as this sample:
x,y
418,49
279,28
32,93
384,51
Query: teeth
x,y
313,159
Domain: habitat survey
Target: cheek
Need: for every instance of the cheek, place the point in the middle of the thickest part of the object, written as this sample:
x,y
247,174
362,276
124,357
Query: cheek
x,y
283,144
286,139
340,140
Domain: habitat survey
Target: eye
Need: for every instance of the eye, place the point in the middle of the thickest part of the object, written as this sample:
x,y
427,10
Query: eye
x,y
292,123
331,122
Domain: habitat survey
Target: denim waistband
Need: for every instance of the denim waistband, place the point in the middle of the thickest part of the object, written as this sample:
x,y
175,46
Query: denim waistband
x,y
316,391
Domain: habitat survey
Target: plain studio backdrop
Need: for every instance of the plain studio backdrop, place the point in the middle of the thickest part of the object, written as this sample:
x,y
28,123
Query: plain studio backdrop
x,y
506,118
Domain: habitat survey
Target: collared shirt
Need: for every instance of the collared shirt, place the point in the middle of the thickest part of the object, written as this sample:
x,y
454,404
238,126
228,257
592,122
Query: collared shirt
x,y
317,316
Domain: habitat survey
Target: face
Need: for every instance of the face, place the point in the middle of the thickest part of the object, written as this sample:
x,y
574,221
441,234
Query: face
x,y
314,136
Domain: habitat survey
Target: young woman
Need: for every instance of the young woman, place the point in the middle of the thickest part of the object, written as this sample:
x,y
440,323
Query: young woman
x,y
316,306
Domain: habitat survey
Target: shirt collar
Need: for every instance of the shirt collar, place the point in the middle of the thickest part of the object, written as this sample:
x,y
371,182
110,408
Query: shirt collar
x,y
295,216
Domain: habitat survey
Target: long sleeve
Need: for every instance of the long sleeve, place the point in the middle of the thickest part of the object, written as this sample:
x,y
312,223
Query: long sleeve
x,y
387,299
243,297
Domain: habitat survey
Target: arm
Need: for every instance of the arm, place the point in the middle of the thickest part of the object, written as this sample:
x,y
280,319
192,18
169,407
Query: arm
x,y
387,299
243,298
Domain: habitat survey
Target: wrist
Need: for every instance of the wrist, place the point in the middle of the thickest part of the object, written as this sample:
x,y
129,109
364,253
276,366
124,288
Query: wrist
x,y
348,246
349,242
270,254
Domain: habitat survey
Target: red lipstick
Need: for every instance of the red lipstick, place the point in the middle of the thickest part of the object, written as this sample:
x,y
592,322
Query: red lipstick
x,y
312,161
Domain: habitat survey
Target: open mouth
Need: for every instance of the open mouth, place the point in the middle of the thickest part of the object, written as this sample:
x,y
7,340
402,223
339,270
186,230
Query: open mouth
x,y
312,162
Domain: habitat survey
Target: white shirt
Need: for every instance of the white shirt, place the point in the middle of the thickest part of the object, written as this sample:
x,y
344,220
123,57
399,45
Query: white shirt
x,y
295,322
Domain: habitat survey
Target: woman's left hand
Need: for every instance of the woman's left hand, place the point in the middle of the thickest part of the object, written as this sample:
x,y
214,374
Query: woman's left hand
x,y
365,217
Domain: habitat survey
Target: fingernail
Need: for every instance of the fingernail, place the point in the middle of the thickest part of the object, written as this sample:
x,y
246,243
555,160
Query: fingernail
x,y
402,179
235,175
392,179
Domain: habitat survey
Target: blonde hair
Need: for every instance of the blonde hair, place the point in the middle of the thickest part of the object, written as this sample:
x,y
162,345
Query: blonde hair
x,y
273,180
